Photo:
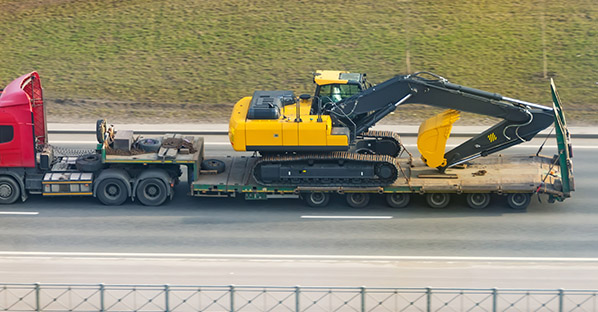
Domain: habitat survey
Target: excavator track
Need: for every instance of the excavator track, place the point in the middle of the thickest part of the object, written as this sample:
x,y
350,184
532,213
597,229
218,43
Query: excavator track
x,y
326,169
379,143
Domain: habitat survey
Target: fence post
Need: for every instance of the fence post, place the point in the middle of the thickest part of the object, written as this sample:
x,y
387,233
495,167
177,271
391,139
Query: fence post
x,y
166,298
102,309
494,299
297,296
232,298
561,300
37,295
362,298
428,299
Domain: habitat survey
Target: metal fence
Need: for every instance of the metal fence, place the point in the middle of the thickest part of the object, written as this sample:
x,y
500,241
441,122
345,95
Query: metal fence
x,y
100,297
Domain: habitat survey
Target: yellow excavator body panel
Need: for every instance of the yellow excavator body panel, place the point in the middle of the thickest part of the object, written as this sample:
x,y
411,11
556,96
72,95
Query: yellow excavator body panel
x,y
284,133
432,136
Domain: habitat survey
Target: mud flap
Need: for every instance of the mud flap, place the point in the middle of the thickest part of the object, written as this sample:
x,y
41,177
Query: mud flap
x,y
432,136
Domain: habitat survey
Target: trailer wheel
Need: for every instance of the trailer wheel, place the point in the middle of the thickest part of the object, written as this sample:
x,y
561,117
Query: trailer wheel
x,y
519,201
213,164
89,162
151,192
317,199
112,192
398,200
438,200
358,200
9,190
478,200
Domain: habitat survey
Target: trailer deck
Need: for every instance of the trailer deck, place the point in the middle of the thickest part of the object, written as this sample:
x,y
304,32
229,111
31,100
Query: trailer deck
x,y
493,174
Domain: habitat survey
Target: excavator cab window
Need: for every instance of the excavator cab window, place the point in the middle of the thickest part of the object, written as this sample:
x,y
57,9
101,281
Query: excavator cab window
x,y
338,92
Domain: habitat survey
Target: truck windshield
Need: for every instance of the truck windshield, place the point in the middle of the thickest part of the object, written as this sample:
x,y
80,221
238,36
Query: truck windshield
x,y
337,92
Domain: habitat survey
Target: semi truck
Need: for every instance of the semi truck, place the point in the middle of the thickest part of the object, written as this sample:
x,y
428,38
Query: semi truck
x,y
126,167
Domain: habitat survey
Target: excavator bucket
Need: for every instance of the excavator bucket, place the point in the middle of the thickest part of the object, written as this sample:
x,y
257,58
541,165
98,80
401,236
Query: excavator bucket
x,y
432,136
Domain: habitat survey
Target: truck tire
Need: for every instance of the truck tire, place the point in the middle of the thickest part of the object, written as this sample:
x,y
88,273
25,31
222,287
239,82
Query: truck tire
x,y
398,200
213,164
478,200
358,200
9,190
438,200
150,145
317,199
519,201
100,130
89,162
112,192
151,192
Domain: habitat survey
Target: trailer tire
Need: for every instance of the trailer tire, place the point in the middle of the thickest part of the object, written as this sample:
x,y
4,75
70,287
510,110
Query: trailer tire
x,y
358,200
89,162
112,192
9,190
519,201
317,199
478,200
151,192
213,164
438,200
398,200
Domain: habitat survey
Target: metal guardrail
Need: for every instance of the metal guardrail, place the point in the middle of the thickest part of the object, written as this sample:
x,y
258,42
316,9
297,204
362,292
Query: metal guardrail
x,y
100,297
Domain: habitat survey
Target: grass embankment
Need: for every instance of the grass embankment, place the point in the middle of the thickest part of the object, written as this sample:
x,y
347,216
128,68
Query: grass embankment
x,y
185,61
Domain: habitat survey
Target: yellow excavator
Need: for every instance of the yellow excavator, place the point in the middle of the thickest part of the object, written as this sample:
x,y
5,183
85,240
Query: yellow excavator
x,y
325,139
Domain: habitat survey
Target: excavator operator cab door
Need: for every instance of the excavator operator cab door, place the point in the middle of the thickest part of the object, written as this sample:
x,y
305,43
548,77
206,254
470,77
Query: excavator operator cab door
x,y
333,93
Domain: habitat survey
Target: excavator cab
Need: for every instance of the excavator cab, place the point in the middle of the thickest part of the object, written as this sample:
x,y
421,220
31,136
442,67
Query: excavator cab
x,y
333,86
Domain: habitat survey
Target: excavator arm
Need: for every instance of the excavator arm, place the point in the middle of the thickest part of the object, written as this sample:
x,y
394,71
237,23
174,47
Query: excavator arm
x,y
521,120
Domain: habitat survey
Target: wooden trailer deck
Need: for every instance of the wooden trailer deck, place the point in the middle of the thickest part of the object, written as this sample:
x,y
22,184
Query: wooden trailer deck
x,y
492,174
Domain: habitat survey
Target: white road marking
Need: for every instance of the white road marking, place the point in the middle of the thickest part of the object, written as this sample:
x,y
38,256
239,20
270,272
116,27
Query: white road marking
x,y
176,256
346,217
23,213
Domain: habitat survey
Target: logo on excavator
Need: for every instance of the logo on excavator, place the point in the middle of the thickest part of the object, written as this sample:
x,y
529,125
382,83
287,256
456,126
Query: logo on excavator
x,y
492,137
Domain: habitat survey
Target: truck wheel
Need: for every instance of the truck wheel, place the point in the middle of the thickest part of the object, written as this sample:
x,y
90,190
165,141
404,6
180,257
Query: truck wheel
x,y
398,200
478,200
151,192
213,164
519,201
358,200
438,200
89,162
112,192
9,190
317,199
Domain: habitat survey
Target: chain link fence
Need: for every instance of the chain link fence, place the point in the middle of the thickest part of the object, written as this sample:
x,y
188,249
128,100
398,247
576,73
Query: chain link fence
x,y
100,297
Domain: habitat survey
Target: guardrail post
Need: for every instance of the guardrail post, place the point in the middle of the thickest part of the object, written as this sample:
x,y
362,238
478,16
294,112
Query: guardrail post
x,y
362,298
37,295
102,290
428,299
561,300
232,298
494,299
297,296
166,298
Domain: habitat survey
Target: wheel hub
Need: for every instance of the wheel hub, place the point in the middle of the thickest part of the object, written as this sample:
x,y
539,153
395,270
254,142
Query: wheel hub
x,y
5,191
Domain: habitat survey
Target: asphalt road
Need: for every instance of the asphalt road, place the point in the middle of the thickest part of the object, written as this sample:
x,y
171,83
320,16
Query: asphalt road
x,y
221,226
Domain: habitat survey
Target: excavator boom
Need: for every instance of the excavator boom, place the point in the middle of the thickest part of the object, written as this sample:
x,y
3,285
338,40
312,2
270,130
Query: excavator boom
x,y
521,120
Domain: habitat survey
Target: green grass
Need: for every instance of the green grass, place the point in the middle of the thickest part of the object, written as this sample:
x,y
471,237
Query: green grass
x,y
126,57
